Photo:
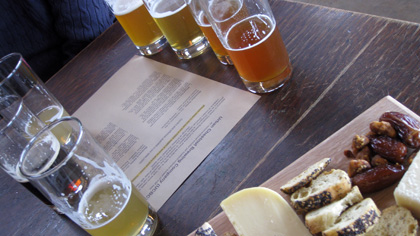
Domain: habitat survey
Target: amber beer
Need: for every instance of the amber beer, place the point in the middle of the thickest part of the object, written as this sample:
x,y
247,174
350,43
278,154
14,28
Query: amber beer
x,y
137,23
214,41
257,50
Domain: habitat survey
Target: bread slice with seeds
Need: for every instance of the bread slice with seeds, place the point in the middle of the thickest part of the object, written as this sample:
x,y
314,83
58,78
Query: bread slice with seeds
x,y
328,187
356,220
320,219
305,177
395,221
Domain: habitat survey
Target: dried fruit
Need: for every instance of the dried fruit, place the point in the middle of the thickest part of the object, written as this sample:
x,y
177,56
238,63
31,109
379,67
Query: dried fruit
x,y
388,148
378,177
408,129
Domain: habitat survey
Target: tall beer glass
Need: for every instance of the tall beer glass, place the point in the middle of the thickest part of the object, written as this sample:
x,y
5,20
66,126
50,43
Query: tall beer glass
x,y
248,30
17,75
208,31
139,25
84,183
17,126
179,27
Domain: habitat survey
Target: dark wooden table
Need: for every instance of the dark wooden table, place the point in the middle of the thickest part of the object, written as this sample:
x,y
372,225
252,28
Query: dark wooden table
x,y
343,63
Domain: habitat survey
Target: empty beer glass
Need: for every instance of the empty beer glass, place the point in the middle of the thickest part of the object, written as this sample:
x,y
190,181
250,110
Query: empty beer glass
x,y
139,25
179,27
17,75
84,183
208,31
17,126
248,30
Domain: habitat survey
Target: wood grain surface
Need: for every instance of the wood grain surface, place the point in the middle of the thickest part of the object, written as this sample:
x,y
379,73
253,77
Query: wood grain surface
x,y
344,62
332,147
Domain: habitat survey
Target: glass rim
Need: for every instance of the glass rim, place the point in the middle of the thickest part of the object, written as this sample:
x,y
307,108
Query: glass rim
x,y
8,57
31,143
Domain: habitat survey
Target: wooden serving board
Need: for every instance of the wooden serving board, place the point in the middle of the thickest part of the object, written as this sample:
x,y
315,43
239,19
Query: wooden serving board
x,y
332,147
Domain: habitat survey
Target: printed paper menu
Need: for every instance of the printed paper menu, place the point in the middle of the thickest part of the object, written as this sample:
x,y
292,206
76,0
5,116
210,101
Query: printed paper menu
x,y
159,122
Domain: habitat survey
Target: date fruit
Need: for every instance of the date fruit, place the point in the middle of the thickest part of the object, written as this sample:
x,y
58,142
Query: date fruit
x,y
378,177
388,148
408,129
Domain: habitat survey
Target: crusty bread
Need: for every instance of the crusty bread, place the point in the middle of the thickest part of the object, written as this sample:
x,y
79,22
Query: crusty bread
x,y
326,188
305,177
395,221
320,219
356,220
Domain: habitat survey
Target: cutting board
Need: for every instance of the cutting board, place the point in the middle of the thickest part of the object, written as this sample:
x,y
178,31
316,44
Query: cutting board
x,y
332,147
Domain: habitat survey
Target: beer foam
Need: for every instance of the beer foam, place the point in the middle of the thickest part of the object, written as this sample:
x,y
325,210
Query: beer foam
x,y
123,7
267,20
165,8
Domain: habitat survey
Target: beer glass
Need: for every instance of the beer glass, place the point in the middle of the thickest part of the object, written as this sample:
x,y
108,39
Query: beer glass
x,y
139,25
84,183
179,27
17,126
17,75
208,31
248,30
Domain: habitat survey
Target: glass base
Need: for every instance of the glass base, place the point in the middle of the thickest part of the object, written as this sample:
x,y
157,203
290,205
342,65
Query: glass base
x,y
225,60
194,50
269,85
153,48
150,225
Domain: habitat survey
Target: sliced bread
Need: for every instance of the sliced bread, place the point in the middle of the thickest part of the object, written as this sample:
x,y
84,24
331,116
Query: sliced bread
x,y
305,177
328,187
320,219
395,221
356,220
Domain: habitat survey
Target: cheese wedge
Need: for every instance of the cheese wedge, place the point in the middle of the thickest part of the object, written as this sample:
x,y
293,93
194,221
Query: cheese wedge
x,y
407,193
262,211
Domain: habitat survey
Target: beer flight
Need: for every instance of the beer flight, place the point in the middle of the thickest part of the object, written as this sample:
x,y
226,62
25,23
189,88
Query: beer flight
x,y
242,33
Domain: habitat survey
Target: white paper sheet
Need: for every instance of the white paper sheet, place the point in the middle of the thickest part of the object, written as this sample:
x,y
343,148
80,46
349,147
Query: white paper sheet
x,y
159,122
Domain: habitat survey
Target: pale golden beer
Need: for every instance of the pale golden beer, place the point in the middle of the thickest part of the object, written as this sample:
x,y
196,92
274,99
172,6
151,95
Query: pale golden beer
x,y
179,27
139,25
114,212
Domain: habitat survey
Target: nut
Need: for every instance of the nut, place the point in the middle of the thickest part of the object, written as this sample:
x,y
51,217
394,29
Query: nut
x,y
357,166
383,128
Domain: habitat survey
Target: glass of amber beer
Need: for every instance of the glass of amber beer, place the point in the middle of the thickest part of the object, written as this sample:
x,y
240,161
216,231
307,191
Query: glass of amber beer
x,y
84,183
139,25
248,31
179,27
208,31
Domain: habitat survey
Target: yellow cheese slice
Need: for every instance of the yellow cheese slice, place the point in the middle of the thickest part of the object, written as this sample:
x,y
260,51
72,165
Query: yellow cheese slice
x,y
262,211
407,193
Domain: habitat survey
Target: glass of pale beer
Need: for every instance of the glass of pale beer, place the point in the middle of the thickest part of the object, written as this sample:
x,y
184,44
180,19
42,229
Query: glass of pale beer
x,y
84,183
179,27
248,31
208,31
139,25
